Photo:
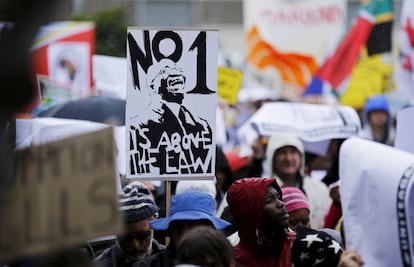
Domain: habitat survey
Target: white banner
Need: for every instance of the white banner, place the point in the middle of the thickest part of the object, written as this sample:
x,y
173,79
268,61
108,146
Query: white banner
x,y
171,104
378,202
310,122
288,25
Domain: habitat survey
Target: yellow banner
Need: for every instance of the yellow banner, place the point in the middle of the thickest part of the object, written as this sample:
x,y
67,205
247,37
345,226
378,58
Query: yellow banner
x,y
371,76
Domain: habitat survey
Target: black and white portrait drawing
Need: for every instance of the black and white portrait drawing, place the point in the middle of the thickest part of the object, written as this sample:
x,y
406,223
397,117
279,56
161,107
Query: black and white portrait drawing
x,y
171,103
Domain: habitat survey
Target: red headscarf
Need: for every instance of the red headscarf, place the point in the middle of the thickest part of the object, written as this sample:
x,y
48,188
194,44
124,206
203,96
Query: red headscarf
x,y
246,202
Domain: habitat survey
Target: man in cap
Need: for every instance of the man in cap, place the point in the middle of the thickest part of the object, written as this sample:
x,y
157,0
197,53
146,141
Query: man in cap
x,y
138,209
378,121
187,210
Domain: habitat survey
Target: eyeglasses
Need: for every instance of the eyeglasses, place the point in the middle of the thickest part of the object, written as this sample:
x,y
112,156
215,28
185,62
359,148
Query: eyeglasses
x,y
140,236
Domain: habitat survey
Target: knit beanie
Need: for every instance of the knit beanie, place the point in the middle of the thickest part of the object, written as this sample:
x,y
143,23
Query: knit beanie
x,y
136,203
294,199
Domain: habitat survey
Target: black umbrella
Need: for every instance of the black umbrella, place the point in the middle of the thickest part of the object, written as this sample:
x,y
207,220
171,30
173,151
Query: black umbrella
x,y
95,108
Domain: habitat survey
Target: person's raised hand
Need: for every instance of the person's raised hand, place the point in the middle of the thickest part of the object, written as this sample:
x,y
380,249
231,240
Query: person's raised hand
x,y
350,258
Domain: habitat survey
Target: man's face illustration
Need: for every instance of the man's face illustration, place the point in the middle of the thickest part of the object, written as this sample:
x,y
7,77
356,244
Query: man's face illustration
x,y
176,84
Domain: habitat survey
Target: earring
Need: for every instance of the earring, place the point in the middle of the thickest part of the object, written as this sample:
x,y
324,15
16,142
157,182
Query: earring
x,y
259,239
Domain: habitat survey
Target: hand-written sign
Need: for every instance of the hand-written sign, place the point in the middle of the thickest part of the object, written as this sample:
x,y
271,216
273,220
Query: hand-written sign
x,y
59,195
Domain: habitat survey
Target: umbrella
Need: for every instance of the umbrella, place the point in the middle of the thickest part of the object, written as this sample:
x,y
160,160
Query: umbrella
x,y
95,108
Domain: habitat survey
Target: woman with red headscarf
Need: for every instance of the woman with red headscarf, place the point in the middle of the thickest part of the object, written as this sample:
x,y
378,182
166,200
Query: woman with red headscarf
x,y
262,219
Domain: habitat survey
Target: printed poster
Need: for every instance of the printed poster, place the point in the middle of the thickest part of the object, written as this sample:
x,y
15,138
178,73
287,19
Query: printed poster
x,y
171,104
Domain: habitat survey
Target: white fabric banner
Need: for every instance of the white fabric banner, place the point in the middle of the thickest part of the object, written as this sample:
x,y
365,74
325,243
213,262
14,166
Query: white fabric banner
x,y
288,25
310,122
378,202
314,124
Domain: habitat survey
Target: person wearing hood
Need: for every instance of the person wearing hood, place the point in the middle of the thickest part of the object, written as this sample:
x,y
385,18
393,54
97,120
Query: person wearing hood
x,y
263,223
285,161
378,124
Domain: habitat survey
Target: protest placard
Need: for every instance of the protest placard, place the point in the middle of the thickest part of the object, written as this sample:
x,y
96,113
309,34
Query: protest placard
x,y
229,82
377,199
59,195
171,104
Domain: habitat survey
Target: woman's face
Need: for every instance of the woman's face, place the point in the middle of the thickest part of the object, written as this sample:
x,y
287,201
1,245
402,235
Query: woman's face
x,y
274,211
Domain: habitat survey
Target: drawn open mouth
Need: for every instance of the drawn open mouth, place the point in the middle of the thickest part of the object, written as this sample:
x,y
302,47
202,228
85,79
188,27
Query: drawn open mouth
x,y
176,81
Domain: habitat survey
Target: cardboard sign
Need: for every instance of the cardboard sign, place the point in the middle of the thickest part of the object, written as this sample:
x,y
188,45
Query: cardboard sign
x,y
171,104
229,82
59,195
377,197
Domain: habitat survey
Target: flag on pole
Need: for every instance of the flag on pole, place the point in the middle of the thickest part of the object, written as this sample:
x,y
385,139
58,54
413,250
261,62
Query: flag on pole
x,y
372,73
337,67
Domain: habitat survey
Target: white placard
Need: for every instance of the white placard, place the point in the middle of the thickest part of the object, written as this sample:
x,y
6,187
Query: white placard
x,y
109,75
171,104
405,130
378,202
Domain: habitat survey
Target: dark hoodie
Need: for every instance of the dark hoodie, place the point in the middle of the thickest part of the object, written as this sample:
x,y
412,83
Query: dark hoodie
x,y
246,202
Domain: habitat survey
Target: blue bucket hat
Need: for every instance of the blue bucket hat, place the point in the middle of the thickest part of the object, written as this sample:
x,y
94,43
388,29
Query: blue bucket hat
x,y
190,206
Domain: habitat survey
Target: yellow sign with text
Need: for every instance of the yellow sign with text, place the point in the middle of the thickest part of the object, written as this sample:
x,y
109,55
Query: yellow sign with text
x,y
229,83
